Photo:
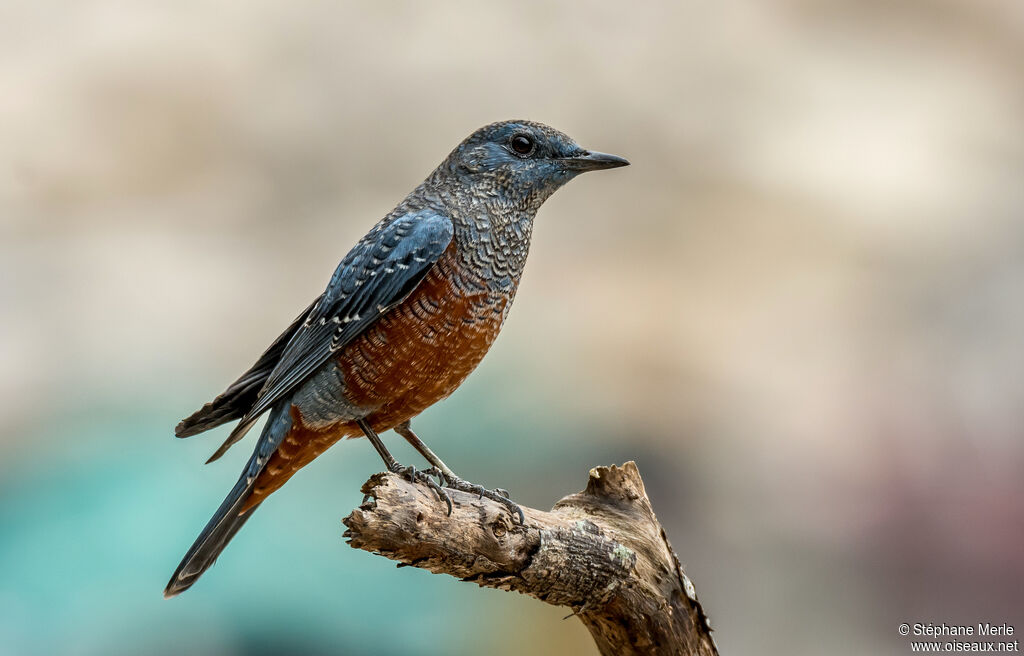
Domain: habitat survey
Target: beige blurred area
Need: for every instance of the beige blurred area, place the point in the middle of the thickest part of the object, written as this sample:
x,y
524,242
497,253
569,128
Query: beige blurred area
x,y
801,309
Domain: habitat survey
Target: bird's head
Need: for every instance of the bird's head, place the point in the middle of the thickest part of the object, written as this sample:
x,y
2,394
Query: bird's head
x,y
523,161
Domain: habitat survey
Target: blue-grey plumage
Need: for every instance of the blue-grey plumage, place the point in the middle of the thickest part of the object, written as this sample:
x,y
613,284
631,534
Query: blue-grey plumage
x,y
377,274
407,315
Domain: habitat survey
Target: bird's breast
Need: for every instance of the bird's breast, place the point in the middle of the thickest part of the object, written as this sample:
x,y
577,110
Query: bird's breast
x,y
421,351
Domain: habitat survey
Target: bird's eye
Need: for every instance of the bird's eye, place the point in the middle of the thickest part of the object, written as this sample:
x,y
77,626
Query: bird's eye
x,y
521,145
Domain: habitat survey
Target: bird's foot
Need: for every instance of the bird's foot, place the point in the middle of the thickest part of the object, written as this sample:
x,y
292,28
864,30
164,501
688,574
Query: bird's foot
x,y
499,495
416,476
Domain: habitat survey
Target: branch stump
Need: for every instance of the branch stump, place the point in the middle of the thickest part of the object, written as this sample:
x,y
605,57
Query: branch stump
x,y
600,552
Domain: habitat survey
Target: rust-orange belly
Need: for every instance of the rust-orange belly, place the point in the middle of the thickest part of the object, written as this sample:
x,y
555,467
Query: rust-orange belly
x,y
420,352
414,356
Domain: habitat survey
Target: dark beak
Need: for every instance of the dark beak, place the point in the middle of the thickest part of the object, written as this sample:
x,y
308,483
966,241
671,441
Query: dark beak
x,y
591,161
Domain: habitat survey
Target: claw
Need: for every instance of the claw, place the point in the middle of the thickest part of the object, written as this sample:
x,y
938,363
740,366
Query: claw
x,y
414,476
444,481
447,499
500,496
410,473
434,471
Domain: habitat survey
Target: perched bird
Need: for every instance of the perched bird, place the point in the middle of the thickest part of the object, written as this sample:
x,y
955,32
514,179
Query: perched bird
x,y
407,315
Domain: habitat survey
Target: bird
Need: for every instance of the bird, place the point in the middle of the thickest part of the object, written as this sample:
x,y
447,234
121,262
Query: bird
x,y
407,315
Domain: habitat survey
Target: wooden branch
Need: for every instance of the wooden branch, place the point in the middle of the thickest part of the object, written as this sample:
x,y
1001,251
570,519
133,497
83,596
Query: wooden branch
x,y
600,552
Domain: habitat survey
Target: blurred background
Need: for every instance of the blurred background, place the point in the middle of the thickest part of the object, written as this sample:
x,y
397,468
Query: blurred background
x,y
799,310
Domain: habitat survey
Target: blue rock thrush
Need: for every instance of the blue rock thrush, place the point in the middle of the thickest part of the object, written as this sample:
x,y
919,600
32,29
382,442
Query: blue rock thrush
x,y
407,315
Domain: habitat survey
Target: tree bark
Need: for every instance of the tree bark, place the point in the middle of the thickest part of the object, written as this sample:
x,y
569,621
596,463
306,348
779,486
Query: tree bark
x,y
600,552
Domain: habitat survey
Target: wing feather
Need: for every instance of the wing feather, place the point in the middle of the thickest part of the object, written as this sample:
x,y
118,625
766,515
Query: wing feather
x,y
380,272
241,395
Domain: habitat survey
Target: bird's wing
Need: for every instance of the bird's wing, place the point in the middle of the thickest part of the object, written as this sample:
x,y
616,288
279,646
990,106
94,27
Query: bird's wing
x,y
241,395
380,272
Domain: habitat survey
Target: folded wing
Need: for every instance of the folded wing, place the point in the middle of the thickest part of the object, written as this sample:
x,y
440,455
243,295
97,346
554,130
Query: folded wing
x,y
379,273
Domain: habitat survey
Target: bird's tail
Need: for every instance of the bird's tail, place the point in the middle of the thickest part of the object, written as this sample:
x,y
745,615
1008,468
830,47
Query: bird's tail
x,y
212,540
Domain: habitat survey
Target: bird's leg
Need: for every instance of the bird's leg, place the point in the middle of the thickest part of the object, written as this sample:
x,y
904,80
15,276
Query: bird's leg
x,y
450,479
394,467
405,430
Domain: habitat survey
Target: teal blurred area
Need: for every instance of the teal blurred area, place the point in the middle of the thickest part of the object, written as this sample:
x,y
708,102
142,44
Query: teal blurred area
x,y
92,527
798,310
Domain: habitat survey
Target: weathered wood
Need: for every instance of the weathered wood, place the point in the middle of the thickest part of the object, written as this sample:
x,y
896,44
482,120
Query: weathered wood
x,y
600,552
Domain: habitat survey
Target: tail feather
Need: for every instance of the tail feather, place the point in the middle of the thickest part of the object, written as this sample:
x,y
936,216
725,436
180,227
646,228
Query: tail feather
x,y
235,510
211,541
